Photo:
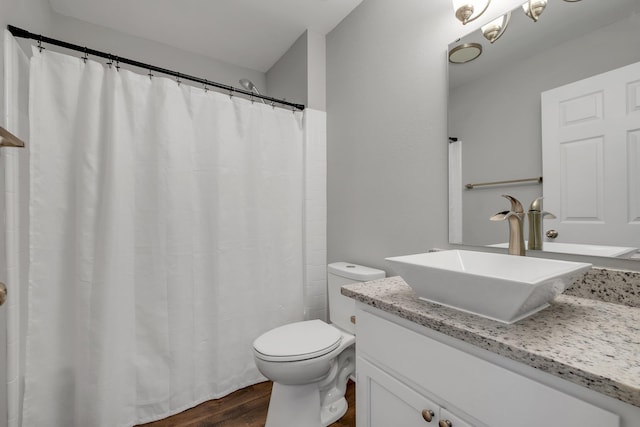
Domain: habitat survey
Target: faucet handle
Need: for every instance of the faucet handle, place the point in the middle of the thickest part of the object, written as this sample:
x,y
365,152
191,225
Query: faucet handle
x,y
536,205
547,215
500,216
516,206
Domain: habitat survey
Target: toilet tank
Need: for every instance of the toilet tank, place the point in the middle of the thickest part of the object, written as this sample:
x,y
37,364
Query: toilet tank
x,y
341,308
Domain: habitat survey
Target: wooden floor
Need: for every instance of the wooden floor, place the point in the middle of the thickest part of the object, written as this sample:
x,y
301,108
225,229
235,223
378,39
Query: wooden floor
x,y
246,408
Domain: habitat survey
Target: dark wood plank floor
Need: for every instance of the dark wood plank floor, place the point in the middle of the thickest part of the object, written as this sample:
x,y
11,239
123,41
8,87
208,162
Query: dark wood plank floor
x,y
244,408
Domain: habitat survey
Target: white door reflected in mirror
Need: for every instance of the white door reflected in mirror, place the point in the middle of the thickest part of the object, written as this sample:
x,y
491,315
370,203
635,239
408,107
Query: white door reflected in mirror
x,y
591,158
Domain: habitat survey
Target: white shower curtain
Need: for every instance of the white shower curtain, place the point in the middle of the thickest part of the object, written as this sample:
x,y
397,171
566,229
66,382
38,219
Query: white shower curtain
x,y
166,233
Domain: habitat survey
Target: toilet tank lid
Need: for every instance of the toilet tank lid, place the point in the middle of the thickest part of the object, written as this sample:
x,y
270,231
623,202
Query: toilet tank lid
x,y
355,272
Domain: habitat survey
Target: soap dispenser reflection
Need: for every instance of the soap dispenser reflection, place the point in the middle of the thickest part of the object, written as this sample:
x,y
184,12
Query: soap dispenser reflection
x,y
536,215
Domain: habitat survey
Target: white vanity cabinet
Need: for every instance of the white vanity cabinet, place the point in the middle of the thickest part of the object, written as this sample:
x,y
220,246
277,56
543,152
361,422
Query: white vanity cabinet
x,y
389,402
404,369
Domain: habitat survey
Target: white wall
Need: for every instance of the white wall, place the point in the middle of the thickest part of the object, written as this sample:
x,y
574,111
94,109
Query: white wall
x,y
387,151
316,71
287,78
300,74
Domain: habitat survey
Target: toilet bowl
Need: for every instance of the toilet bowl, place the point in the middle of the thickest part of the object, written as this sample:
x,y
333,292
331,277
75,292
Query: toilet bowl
x,y
310,362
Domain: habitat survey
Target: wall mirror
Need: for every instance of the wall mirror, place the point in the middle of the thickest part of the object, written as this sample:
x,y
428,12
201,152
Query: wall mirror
x,y
495,117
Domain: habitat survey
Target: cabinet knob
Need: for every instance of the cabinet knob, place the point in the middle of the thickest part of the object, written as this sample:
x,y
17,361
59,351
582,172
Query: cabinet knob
x,y
3,293
445,423
427,414
353,319
551,234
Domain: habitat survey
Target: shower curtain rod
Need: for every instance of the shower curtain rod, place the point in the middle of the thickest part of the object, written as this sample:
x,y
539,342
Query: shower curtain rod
x,y
19,32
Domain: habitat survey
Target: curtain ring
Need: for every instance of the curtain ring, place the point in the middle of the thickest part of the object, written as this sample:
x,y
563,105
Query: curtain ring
x,y
110,61
40,48
117,64
273,105
150,75
231,92
178,79
86,55
206,89
251,97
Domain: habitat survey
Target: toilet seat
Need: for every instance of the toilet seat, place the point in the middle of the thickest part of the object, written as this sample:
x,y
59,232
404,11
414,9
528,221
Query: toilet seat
x,y
297,341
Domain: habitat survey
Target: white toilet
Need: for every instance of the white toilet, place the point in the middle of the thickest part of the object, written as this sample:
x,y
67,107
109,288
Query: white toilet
x,y
310,362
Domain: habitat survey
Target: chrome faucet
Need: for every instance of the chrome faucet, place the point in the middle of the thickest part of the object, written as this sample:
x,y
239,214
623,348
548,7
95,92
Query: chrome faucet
x,y
536,215
515,216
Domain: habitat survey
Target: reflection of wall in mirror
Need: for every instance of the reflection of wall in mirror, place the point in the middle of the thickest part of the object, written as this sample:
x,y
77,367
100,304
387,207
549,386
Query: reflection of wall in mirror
x,y
498,118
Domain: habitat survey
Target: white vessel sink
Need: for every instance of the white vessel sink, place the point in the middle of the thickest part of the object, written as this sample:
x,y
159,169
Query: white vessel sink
x,y
582,249
505,288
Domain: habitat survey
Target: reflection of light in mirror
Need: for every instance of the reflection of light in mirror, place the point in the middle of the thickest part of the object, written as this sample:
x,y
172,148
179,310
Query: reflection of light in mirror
x,y
464,53
496,28
465,9
534,8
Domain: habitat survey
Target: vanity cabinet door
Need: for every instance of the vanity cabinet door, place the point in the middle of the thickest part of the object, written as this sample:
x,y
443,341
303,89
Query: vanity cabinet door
x,y
383,401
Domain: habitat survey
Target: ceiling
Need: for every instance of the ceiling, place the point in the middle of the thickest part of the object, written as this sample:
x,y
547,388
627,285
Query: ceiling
x,y
247,33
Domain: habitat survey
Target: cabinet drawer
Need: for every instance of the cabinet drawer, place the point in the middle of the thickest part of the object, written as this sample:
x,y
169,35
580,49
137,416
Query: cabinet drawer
x,y
489,393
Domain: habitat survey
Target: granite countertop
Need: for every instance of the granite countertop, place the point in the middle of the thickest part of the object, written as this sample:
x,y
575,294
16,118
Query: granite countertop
x,y
589,342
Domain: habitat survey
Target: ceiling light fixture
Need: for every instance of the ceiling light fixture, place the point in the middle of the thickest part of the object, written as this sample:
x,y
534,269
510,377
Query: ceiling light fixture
x,y
464,9
496,28
533,8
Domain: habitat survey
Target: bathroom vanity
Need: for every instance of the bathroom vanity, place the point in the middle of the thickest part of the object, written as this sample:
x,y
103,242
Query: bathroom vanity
x,y
574,364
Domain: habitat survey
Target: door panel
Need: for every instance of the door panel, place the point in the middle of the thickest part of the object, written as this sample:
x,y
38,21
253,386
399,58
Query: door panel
x,y
591,158
582,183
634,176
